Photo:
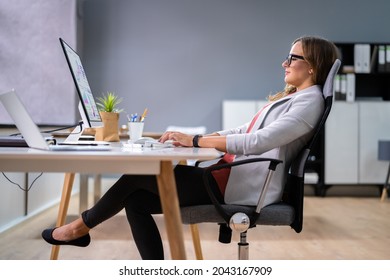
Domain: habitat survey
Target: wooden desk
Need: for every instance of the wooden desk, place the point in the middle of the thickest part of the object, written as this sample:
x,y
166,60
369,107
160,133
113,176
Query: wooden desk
x,y
120,160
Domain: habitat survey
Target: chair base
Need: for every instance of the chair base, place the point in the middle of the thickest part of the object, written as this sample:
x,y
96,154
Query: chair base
x,y
384,194
196,241
243,247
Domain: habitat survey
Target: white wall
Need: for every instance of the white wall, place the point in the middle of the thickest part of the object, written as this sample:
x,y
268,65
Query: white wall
x,y
32,61
181,58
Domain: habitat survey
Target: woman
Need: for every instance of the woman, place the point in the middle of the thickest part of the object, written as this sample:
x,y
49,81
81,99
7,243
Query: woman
x,y
279,130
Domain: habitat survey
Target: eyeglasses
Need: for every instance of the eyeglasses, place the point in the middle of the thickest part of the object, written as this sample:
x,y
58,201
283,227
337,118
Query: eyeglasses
x,y
293,57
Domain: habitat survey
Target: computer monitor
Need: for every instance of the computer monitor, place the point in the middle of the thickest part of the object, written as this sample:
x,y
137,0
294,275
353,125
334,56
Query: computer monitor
x,y
87,105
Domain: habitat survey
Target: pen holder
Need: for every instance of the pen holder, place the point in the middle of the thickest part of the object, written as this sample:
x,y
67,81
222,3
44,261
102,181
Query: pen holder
x,y
135,130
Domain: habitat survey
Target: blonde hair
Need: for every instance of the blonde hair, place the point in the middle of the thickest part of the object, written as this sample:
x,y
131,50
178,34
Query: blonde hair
x,y
320,54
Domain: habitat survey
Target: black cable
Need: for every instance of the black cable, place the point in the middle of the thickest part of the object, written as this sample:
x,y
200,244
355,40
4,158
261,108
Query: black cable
x,y
57,129
61,128
25,190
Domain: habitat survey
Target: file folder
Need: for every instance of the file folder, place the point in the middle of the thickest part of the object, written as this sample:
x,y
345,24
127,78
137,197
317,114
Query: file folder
x,y
374,59
381,58
350,80
336,86
362,58
387,59
343,87
357,58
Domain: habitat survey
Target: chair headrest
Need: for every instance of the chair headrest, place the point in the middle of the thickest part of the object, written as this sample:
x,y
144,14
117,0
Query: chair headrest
x,y
328,86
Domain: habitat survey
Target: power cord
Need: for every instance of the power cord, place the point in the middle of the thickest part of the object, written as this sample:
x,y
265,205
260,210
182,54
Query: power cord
x,y
61,128
19,186
57,129
47,131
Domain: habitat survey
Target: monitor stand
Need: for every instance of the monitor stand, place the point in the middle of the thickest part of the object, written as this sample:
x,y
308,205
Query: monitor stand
x,y
88,131
83,116
89,127
84,134
75,135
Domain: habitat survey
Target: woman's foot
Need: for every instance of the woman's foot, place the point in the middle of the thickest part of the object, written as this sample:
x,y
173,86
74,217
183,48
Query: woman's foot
x,y
76,233
82,241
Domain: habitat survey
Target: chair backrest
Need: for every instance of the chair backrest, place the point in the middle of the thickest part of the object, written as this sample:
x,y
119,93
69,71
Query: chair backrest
x,y
327,92
294,189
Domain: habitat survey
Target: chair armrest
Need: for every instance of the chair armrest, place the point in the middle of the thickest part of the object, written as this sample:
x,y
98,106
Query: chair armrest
x,y
208,175
273,163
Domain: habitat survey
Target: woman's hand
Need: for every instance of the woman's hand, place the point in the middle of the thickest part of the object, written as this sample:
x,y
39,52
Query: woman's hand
x,y
178,138
213,140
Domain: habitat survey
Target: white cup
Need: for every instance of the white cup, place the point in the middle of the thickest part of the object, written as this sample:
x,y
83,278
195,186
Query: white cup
x,y
135,130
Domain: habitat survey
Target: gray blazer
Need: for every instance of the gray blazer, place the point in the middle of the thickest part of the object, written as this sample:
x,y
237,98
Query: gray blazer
x,y
284,127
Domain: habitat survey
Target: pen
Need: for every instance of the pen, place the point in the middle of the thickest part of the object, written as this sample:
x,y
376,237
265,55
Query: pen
x,y
143,115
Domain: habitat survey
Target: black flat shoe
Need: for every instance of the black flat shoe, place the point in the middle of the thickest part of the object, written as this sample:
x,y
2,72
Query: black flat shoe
x,y
82,241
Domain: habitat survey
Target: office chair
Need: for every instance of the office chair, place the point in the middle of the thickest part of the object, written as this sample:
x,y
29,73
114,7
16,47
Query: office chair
x,y
288,212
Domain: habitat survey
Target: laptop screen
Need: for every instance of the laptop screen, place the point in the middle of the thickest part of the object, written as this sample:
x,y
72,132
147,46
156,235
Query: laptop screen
x,y
88,109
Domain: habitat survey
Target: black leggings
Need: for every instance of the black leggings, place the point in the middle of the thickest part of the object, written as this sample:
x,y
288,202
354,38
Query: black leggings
x,y
138,194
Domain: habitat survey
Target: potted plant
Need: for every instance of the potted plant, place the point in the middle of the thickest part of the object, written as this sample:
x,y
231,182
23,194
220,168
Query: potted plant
x,y
109,103
109,112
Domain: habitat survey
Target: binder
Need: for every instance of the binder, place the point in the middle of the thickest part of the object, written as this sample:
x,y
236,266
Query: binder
x,y
387,64
374,59
343,87
336,87
366,58
381,58
362,58
357,58
350,87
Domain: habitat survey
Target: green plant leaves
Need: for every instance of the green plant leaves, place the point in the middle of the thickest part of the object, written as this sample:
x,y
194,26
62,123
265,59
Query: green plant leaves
x,y
108,102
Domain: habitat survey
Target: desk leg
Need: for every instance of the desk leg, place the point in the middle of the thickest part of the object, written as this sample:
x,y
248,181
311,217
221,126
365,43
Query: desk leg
x,y
63,210
97,188
170,206
386,186
83,200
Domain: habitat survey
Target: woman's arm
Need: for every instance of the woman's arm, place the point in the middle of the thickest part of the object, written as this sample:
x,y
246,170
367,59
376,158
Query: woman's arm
x,y
213,140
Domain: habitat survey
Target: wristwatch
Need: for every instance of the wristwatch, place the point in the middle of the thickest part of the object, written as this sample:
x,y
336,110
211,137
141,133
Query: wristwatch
x,y
195,140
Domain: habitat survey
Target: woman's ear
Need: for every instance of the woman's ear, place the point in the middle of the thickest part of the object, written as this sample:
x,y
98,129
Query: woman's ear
x,y
311,71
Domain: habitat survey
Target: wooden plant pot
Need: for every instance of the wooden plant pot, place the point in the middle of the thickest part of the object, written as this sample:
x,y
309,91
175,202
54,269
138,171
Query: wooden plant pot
x,y
110,129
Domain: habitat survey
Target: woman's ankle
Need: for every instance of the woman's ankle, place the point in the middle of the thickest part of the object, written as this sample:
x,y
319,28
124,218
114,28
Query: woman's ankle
x,y
71,231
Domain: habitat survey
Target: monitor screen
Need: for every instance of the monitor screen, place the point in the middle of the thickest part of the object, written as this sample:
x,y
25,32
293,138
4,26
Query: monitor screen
x,y
88,109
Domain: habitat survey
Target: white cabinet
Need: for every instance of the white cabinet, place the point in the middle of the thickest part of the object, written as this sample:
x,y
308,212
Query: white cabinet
x,y
238,112
341,144
352,132
374,119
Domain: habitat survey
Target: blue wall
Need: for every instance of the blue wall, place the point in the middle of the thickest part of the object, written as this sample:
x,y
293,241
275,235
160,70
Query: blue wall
x,y
181,58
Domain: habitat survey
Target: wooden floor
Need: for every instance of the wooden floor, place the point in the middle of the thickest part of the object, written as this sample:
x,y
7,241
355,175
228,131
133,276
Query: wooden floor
x,y
335,228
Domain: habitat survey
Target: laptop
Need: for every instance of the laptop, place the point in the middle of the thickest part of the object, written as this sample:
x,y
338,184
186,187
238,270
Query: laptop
x,y
30,130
